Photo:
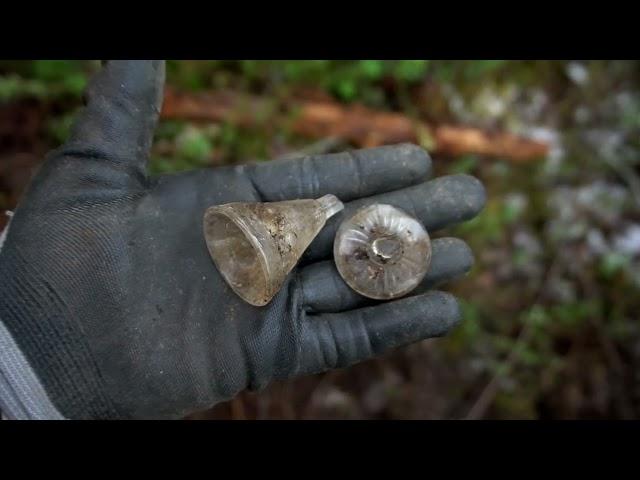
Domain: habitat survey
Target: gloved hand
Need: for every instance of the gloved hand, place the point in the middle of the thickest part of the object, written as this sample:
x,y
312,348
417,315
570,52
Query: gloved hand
x,y
109,291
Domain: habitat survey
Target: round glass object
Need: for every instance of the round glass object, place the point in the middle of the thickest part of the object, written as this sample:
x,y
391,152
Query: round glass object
x,y
382,252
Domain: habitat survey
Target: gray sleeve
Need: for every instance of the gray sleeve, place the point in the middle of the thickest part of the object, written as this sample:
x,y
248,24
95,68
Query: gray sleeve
x,y
22,396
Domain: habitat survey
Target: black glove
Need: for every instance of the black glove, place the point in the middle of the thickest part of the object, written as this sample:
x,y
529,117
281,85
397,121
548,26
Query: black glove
x,y
109,291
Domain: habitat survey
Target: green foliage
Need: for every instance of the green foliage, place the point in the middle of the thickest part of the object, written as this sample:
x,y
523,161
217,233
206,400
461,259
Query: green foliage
x,y
348,80
194,144
70,75
492,223
13,86
537,316
372,69
464,165
410,70
570,315
191,74
60,127
612,263
469,330
479,68
45,79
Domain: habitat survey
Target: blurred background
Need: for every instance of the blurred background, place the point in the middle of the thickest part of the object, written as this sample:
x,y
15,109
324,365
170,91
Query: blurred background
x,y
551,307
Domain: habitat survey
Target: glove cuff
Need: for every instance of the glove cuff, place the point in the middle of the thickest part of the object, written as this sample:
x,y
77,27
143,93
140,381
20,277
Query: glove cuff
x,y
22,396
43,334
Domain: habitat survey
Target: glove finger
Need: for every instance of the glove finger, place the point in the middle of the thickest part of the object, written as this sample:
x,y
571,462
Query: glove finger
x,y
324,290
121,113
438,203
348,175
337,340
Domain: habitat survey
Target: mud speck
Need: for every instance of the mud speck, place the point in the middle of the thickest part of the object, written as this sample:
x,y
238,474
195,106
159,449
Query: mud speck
x,y
361,254
275,223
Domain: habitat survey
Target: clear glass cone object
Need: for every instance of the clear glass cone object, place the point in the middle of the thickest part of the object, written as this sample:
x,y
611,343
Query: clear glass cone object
x,y
382,252
255,245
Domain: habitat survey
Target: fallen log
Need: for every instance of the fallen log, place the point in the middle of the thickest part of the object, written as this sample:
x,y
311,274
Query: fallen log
x,y
356,124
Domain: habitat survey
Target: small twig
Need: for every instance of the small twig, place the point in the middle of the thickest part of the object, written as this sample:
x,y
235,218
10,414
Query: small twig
x,y
489,392
483,402
356,124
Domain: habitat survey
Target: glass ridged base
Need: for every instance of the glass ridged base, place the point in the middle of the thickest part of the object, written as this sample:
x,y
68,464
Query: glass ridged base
x,y
382,252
